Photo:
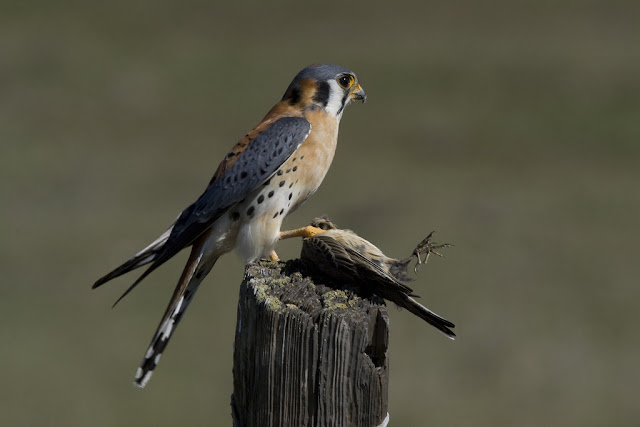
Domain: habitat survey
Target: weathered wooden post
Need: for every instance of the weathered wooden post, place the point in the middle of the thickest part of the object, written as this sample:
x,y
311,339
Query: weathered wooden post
x,y
306,354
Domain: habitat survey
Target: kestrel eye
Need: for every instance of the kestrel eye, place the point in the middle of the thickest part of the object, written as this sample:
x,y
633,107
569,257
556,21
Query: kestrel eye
x,y
345,81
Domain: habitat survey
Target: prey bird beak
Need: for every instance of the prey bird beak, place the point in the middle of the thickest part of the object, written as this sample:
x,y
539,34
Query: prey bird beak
x,y
358,94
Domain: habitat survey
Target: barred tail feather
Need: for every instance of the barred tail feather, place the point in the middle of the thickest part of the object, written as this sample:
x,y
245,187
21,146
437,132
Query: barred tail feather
x,y
193,274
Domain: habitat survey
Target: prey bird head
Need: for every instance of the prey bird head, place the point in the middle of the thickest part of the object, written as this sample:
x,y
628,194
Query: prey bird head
x,y
323,223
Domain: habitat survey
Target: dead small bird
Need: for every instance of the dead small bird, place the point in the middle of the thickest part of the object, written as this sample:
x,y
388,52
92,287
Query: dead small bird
x,y
344,256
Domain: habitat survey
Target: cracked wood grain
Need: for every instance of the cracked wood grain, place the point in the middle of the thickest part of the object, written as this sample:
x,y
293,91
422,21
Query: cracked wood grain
x,y
307,352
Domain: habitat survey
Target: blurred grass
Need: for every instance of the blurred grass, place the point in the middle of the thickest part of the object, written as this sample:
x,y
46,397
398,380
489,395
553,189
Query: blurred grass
x,y
509,127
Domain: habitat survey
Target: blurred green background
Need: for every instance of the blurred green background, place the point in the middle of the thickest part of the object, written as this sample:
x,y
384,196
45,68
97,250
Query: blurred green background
x,y
511,128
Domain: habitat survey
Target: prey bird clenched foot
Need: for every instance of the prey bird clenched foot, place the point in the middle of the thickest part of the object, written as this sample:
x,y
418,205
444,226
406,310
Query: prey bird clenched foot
x,y
426,247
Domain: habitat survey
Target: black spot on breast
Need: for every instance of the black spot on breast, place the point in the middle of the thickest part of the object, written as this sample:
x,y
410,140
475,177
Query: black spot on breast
x,y
290,196
250,211
235,216
260,199
280,172
270,194
291,185
295,168
301,157
288,170
276,214
281,184
294,159
281,211
268,182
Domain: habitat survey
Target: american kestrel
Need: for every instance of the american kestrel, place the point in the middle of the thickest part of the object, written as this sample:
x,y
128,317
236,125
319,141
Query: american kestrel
x,y
348,258
266,175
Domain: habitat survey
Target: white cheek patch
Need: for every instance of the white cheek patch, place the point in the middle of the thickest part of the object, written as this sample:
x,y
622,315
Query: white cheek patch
x,y
335,104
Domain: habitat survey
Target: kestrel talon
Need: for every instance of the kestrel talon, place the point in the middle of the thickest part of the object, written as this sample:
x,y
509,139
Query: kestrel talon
x,y
266,175
346,257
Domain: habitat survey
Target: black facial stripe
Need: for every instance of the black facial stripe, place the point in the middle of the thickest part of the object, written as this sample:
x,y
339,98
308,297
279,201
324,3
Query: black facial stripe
x,y
344,101
294,96
322,93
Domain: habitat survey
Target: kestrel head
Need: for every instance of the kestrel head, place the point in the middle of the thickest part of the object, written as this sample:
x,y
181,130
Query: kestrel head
x,y
324,86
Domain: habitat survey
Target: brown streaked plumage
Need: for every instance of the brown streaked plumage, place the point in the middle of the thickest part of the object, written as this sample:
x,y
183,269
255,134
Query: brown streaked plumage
x,y
266,175
346,257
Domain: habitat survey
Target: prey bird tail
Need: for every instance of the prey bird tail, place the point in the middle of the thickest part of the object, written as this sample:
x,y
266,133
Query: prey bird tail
x,y
438,322
389,287
194,272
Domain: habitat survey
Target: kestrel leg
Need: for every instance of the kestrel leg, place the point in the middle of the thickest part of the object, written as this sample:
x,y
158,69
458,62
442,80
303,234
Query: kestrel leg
x,y
307,231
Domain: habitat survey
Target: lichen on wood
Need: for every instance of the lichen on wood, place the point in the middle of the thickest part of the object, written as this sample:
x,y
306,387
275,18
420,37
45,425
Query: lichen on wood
x,y
307,352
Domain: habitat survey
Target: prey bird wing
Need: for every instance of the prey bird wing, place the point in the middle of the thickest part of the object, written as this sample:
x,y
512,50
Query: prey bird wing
x,y
342,256
328,255
383,282
350,264
250,164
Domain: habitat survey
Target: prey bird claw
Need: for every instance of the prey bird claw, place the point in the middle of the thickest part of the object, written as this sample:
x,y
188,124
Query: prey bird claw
x,y
427,247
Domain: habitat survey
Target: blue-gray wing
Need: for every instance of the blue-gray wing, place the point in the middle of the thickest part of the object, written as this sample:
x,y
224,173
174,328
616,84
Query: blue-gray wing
x,y
254,165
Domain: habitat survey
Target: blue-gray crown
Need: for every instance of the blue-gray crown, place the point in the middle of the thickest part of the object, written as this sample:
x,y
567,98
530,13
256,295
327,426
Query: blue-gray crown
x,y
321,72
